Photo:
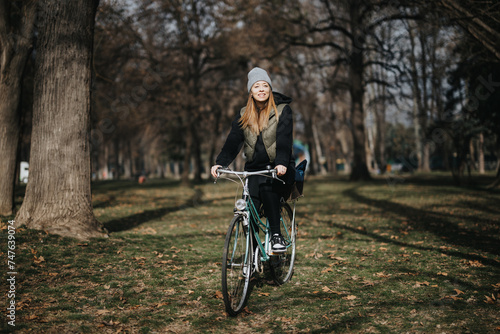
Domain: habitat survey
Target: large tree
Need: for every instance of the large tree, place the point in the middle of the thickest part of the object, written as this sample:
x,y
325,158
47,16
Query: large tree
x,y
17,20
58,195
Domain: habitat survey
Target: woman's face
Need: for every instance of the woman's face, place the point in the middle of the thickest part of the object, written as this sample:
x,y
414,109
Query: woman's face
x,y
260,91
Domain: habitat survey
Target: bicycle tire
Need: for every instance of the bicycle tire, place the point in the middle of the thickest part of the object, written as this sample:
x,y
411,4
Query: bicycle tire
x,y
281,264
237,255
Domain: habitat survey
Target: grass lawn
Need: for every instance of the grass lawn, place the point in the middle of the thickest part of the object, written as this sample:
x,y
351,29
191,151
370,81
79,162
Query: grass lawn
x,y
411,254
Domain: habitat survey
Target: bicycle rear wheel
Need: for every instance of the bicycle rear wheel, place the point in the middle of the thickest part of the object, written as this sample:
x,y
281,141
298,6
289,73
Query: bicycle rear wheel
x,y
236,266
281,264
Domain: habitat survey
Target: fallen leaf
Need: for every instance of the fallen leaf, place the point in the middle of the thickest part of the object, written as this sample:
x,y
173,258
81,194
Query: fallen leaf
x,y
328,290
368,283
247,310
490,300
419,284
458,292
218,294
38,260
382,275
264,294
161,304
442,274
452,297
138,289
350,297
110,323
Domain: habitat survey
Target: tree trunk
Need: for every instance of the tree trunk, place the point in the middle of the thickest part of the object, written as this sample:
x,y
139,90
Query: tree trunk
x,y
424,164
318,150
417,100
356,68
186,168
128,166
198,163
103,162
117,168
496,182
58,195
480,153
313,167
16,42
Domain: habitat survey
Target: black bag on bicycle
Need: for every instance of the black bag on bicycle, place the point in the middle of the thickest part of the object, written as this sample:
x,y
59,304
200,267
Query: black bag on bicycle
x,y
298,186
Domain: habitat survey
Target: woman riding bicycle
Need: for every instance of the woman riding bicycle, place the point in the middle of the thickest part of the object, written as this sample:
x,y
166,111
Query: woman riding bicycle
x,y
265,128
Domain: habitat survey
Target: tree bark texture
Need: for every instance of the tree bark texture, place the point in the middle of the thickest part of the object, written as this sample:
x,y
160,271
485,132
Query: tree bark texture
x,y
356,69
17,21
58,195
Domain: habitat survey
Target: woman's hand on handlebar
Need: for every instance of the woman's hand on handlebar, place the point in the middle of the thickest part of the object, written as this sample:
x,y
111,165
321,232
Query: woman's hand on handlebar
x,y
213,171
281,170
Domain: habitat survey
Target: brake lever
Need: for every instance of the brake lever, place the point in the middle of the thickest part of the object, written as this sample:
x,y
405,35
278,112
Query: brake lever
x,y
218,175
274,174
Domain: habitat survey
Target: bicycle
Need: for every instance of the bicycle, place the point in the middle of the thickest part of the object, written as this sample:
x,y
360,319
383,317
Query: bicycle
x,y
241,258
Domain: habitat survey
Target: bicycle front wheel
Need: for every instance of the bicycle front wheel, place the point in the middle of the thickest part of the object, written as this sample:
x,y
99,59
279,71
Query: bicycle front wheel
x,y
236,266
281,264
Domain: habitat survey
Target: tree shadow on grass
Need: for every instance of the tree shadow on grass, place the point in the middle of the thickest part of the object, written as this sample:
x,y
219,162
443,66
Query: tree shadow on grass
x,y
132,221
387,240
113,185
436,223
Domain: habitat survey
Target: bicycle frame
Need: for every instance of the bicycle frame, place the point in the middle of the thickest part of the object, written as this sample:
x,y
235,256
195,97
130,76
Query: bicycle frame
x,y
250,212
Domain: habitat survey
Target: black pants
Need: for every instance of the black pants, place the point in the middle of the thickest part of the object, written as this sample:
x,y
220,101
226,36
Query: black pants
x,y
270,201
268,192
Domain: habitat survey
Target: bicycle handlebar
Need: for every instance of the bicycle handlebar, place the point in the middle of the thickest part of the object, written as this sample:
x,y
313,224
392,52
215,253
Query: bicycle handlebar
x,y
245,174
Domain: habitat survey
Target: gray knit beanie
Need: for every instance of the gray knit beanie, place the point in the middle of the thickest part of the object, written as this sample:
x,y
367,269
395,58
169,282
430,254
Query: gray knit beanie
x,y
258,74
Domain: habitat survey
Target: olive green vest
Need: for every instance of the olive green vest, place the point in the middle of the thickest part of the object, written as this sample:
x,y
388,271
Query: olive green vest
x,y
268,136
